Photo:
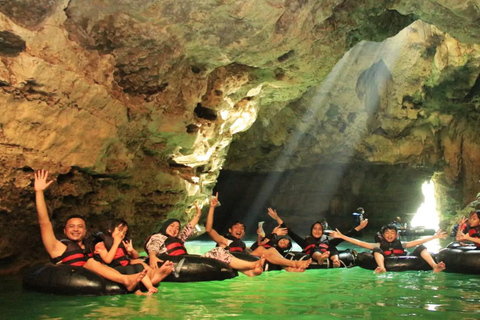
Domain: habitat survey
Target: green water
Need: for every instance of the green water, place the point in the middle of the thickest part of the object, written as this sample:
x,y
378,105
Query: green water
x,y
353,293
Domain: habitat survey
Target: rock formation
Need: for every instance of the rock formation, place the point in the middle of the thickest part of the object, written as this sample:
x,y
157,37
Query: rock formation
x,y
133,106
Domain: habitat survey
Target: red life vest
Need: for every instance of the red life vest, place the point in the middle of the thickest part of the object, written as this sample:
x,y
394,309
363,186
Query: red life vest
x,y
175,246
394,248
121,257
237,245
74,254
474,233
312,243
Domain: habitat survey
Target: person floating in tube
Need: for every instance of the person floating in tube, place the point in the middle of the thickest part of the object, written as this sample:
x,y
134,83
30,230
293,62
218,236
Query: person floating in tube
x,y
389,245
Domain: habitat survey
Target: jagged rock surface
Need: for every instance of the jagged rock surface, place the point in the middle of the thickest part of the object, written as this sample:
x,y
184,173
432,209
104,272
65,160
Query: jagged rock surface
x,y
132,106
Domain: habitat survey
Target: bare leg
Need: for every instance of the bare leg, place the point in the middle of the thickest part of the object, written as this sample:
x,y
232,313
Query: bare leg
x,y
273,256
321,257
147,282
380,259
249,268
428,258
130,281
335,261
162,272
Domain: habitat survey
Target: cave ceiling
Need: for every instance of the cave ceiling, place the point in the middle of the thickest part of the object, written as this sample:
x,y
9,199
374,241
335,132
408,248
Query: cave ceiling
x,y
136,106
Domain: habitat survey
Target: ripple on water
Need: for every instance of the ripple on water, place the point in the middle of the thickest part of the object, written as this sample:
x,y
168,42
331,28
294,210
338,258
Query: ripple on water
x,y
316,294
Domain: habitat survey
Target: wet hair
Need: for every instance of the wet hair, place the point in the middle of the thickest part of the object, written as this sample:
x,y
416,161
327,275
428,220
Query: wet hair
x,y
75,216
163,229
117,223
236,222
388,227
477,212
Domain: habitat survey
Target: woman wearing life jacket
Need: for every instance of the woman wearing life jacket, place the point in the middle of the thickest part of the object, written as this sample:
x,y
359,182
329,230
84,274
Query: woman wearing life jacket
x,y
472,231
389,245
277,239
117,252
318,245
171,241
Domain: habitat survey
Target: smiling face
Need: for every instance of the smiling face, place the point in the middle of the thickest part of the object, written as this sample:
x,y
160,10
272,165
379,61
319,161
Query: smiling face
x,y
75,229
237,230
473,221
173,229
283,243
390,235
317,230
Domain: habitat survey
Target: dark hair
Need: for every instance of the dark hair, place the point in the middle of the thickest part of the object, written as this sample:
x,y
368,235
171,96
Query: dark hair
x,y
117,223
360,210
477,212
388,227
163,229
289,242
313,225
75,216
236,222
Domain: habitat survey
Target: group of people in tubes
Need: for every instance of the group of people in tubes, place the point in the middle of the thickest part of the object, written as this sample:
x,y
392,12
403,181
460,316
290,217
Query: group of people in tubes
x,y
115,258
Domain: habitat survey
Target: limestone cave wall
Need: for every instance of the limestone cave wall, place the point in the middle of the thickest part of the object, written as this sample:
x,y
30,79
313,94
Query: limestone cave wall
x,y
136,107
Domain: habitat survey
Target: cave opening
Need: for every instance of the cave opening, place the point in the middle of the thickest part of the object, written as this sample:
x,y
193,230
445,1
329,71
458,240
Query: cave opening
x,y
427,214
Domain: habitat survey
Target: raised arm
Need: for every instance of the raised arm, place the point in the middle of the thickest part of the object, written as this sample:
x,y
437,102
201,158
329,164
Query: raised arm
x,y
351,233
196,217
338,235
273,213
221,240
439,235
362,225
53,246
108,255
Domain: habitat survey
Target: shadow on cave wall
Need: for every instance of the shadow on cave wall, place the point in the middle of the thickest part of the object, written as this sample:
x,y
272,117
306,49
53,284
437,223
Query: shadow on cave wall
x,y
333,192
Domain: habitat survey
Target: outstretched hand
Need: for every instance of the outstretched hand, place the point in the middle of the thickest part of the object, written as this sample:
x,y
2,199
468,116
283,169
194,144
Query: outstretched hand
x,y
128,245
273,213
336,234
441,234
41,183
279,231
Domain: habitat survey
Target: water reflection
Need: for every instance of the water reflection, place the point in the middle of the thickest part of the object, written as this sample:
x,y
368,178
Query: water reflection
x,y
316,294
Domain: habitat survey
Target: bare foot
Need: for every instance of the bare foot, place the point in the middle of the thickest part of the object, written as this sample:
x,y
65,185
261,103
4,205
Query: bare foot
x,y
292,269
336,263
152,290
439,267
260,262
140,293
380,270
132,280
323,257
302,264
162,272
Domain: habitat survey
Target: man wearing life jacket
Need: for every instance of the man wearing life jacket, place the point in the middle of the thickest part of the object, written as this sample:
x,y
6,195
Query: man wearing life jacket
x,y
390,245
73,250
472,232
236,245
170,241
237,231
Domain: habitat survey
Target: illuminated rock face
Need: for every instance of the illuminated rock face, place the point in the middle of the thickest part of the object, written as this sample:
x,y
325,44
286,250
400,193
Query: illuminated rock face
x,y
133,105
